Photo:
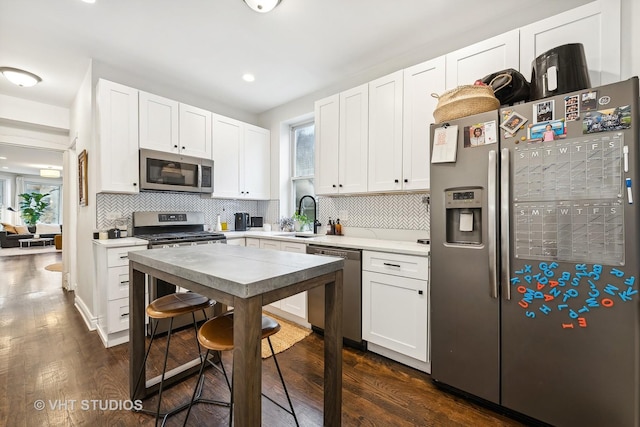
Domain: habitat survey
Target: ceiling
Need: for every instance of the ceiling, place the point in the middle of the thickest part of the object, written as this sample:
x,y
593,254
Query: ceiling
x,y
203,47
28,161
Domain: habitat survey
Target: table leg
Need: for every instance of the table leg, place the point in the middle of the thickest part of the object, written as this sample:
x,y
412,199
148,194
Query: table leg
x,y
333,352
136,331
247,362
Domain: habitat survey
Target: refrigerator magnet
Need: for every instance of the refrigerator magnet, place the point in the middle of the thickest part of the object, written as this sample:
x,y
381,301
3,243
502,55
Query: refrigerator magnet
x,y
588,100
514,122
571,108
543,111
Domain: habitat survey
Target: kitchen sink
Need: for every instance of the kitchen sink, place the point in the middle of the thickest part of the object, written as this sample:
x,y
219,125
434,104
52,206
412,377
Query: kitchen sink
x,y
306,235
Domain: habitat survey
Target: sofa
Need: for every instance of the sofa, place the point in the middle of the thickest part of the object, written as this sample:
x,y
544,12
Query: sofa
x,y
9,239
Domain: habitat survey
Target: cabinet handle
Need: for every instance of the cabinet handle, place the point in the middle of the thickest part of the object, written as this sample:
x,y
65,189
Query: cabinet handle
x,y
175,146
396,181
420,292
124,282
392,265
135,183
340,185
124,314
183,148
334,186
406,180
124,256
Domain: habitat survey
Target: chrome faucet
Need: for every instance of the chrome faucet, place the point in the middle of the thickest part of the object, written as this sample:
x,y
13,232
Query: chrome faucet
x,y
316,223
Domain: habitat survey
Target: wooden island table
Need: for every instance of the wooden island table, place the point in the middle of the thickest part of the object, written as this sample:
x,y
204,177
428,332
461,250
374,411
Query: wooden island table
x,y
247,279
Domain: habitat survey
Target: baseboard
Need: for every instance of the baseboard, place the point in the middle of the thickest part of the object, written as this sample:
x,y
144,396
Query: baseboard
x,y
89,319
399,357
113,339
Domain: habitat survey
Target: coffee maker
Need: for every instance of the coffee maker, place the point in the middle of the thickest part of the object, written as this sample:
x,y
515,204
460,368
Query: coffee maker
x,y
242,221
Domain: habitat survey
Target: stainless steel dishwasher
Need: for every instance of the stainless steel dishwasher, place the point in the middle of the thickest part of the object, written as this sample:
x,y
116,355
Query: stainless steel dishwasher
x,y
351,296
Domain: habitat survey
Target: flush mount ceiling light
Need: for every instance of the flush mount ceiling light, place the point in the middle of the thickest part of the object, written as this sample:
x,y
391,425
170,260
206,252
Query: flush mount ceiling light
x,y
20,77
262,6
49,173
248,77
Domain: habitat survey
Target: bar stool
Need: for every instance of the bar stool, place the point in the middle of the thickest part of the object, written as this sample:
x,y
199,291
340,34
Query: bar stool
x,y
217,335
169,307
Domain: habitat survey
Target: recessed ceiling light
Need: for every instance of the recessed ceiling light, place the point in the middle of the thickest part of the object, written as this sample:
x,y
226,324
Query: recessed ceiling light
x,y
248,77
262,6
20,77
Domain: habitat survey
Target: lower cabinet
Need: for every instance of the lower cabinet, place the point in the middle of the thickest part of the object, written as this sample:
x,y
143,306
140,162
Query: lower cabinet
x,y
236,242
112,279
395,306
295,304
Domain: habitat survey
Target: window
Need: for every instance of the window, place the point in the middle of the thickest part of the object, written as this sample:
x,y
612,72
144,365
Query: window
x,y
3,203
53,213
302,150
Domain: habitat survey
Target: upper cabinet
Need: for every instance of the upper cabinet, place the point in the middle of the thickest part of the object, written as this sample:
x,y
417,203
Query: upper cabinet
x,y
195,132
242,159
117,138
420,81
466,65
342,142
596,25
170,126
158,123
385,133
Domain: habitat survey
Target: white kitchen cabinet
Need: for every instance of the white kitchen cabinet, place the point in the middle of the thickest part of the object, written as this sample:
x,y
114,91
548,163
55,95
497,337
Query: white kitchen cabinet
x,y
195,132
236,242
596,25
342,142
466,65
420,81
385,133
395,304
295,304
159,120
252,242
242,159
170,126
112,279
116,159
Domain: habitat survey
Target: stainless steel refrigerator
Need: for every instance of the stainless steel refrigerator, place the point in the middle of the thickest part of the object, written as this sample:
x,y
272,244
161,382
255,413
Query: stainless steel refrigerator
x,y
535,257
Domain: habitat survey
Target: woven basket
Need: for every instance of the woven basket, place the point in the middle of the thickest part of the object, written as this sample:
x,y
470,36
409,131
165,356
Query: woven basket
x,y
464,101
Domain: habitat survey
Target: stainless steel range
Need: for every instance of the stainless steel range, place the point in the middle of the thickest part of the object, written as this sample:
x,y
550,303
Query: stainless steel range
x,y
168,230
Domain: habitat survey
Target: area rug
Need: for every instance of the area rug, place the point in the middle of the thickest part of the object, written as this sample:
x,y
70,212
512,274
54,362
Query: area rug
x,y
57,266
289,334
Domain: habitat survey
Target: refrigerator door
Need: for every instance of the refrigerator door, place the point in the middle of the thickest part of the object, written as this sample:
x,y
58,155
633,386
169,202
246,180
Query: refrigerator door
x,y
464,297
570,331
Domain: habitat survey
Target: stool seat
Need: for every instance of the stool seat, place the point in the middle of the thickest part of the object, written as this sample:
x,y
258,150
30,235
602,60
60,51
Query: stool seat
x,y
217,333
173,305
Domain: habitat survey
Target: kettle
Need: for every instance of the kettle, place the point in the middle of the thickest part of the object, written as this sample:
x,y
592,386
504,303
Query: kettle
x,y
559,70
242,221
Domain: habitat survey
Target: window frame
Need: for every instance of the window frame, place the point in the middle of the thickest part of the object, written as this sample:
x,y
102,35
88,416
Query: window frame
x,y
292,146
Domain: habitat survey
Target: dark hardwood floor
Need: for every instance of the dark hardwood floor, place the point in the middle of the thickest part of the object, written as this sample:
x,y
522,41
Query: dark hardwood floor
x,y
48,357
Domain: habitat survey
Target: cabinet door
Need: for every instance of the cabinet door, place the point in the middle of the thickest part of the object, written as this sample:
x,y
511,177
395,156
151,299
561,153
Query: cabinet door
x,y
195,132
471,63
252,243
385,133
158,123
420,81
255,171
354,140
117,162
270,244
596,25
236,242
327,133
295,304
227,138
395,313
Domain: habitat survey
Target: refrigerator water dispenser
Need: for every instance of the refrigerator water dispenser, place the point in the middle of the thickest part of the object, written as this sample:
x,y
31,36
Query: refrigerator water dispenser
x,y
464,216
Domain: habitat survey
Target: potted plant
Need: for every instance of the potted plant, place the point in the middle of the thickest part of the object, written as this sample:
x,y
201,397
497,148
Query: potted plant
x,y
32,206
300,221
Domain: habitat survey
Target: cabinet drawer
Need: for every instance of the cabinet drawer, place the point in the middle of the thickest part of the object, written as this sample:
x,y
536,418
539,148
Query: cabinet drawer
x,y
118,315
118,282
118,256
414,267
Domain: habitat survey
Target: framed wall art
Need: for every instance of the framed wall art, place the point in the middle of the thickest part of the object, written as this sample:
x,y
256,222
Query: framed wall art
x,y
83,188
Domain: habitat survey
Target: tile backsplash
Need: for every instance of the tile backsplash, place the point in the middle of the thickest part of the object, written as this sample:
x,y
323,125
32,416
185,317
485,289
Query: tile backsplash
x,y
125,204
388,211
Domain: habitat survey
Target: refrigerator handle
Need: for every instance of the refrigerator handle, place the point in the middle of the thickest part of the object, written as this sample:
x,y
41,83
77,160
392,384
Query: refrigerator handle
x,y
504,223
492,202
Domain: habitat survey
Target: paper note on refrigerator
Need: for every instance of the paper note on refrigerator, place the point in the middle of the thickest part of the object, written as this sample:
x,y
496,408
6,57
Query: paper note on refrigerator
x,y
445,144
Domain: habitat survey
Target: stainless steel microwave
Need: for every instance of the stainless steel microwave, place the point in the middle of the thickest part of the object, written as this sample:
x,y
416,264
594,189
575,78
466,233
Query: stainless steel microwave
x,y
162,171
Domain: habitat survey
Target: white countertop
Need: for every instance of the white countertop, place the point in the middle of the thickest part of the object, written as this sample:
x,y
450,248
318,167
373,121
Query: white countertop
x,y
393,246
117,243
